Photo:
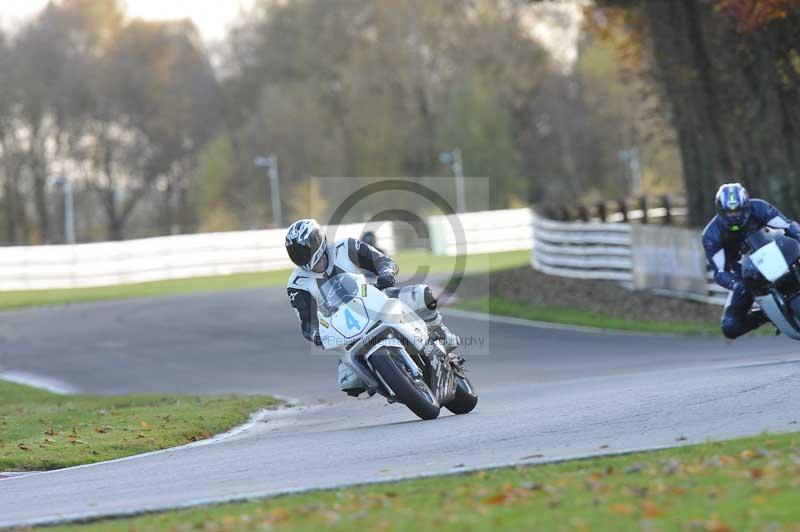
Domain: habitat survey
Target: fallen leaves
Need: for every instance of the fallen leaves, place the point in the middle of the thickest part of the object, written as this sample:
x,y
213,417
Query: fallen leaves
x,y
652,510
747,454
715,525
625,509
203,435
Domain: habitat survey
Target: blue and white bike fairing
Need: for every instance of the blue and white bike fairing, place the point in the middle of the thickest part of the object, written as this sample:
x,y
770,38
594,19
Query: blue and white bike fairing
x,y
356,315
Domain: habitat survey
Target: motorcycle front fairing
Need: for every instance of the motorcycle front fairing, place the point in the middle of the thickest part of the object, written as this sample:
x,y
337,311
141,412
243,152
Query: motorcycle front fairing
x,y
772,275
358,319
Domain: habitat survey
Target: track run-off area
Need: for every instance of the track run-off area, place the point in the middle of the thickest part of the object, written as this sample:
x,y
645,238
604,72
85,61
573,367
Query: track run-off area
x,y
546,393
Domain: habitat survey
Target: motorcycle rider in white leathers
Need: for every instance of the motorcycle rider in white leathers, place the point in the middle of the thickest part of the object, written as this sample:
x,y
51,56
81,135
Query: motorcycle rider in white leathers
x,y
317,261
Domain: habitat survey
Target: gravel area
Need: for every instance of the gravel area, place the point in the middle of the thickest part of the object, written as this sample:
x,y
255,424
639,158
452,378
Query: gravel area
x,y
535,288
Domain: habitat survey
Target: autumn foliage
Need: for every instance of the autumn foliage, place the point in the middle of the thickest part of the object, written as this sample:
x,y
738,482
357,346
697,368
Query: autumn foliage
x,y
730,71
755,15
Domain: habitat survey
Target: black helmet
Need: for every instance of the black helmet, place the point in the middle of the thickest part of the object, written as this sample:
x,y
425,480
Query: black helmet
x,y
306,243
733,205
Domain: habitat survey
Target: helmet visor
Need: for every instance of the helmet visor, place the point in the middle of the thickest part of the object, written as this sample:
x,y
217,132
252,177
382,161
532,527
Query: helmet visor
x,y
735,216
317,248
320,265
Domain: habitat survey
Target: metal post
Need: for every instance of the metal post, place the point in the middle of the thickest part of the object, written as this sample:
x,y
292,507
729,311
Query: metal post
x,y
453,159
69,208
458,171
631,157
643,207
271,164
69,211
275,190
623,209
602,212
667,208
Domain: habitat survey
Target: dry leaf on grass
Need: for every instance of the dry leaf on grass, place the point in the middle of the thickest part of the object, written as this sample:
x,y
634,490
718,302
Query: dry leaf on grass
x,y
623,509
715,525
652,510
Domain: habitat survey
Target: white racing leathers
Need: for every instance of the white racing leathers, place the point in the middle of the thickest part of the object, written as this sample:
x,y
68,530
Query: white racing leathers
x,y
353,256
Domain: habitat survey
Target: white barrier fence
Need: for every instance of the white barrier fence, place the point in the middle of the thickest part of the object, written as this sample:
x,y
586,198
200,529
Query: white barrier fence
x,y
663,259
481,232
583,250
155,259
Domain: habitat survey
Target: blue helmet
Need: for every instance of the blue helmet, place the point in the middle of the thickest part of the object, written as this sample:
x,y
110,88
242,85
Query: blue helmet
x,y
733,205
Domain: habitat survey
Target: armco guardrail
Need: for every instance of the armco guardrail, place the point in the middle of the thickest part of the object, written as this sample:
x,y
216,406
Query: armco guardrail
x,y
155,259
628,254
481,232
583,250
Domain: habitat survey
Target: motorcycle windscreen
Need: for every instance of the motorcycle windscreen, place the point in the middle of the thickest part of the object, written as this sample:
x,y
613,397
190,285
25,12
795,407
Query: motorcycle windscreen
x,y
339,290
770,262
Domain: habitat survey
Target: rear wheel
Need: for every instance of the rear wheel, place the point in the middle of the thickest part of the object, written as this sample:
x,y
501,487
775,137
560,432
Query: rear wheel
x,y
409,390
465,398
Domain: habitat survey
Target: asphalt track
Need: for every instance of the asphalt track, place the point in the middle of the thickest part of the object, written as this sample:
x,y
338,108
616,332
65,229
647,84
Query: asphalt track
x,y
545,394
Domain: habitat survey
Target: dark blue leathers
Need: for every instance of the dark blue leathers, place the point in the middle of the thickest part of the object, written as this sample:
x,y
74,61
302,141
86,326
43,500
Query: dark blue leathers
x,y
724,251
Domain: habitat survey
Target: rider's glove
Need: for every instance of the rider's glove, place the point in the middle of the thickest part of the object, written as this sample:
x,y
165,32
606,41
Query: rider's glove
x,y
386,279
317,339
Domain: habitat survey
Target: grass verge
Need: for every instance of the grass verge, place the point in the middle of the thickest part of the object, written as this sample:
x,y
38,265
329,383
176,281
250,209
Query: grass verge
x,y
747,484
409,261
40,430
574,316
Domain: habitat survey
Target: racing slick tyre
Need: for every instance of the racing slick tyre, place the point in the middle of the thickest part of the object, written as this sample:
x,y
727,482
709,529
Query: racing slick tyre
x,y
409,390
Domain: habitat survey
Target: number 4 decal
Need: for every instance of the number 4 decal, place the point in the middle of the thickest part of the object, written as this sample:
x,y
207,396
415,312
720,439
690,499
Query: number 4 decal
x,y
350,320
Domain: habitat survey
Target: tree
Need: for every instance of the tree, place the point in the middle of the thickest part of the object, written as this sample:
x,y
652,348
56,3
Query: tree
x,y
377,89
119,106
155,101
729,71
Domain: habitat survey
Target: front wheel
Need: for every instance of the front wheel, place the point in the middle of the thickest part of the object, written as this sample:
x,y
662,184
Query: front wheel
x,y
794,305
465,398
409,390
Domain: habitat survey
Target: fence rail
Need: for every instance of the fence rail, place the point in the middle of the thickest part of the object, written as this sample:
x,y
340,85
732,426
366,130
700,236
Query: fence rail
x,y
481,232
606,251
582,250
663,210
576,249
156,259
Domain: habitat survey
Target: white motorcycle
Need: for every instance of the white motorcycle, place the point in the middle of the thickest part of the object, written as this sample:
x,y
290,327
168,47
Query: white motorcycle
x,y
388,346
771,273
